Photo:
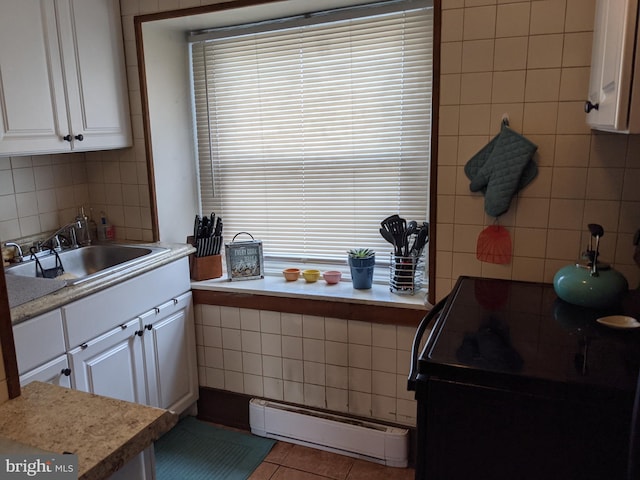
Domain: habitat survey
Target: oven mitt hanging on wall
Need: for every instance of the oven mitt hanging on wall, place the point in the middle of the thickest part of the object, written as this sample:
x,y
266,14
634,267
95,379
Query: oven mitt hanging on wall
x,y
501,169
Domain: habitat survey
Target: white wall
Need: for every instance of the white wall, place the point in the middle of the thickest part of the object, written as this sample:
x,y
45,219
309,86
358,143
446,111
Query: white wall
x,y
167,71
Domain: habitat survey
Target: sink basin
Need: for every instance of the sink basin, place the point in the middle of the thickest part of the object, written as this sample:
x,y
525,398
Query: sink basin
x,y
90,262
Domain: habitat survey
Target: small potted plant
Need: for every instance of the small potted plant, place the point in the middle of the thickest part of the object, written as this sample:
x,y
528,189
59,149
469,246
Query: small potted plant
x,y
361,263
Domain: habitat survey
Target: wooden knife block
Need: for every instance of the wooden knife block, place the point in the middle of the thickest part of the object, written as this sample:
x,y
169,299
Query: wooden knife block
x,y
205,268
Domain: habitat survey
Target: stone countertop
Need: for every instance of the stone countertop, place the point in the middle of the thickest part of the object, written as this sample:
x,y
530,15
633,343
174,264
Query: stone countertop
x,y
104,433
25,289
70,293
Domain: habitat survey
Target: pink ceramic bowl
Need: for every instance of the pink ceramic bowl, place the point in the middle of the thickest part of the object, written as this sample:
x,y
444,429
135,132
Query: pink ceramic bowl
x,y
291,274
332,276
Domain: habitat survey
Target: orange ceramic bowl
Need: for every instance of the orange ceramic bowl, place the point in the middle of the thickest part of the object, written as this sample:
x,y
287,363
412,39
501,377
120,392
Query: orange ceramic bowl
x,y
291,274
332,276
311,275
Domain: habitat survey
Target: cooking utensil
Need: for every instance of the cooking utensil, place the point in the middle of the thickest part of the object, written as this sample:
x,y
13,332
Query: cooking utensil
x,y
411,229
395,225
386,234
196,229
494,245
421,240
207,233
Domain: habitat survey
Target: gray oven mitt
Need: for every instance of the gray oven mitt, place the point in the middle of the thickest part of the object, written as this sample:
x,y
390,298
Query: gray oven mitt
x,y
501,169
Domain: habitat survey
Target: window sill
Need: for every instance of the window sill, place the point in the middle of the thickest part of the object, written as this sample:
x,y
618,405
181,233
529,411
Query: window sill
x,y
341,300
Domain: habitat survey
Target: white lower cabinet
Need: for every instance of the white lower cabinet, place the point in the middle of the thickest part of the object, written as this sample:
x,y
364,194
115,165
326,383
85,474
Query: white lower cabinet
x,y
140,467
56,371
134,341
112,364
170,357
41,351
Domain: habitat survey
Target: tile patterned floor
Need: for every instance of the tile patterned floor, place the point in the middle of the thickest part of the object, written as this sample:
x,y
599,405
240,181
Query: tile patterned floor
x,y
287,461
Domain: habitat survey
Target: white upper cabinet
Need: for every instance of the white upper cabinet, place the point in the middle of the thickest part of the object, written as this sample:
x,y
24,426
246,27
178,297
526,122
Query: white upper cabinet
x,y
613,101
62,77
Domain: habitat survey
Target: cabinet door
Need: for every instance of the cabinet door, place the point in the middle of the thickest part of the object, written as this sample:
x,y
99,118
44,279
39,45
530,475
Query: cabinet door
x,y
170,358
94,69
612,64
33,112
56,372
112,364
140,467
39,340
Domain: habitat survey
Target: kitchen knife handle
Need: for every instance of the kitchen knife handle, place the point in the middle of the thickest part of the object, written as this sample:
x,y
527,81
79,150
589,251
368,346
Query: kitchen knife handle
x,y
413,372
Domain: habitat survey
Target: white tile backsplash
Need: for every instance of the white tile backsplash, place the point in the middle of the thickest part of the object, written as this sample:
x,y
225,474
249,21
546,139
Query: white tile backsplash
x,y
6,183
334,373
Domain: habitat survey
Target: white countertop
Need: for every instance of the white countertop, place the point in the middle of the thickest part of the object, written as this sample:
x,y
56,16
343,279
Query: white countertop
x,y
341,292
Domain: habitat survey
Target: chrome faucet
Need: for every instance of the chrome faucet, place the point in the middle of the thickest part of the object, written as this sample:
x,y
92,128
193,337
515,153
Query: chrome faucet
x,y
54,238
18,257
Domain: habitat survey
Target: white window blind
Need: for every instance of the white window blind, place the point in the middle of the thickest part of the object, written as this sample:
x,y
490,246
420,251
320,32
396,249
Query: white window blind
x,y
309,136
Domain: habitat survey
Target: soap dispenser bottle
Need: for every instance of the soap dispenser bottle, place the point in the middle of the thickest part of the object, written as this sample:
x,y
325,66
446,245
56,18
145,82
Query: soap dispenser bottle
x,y
93,227
82,228
106,231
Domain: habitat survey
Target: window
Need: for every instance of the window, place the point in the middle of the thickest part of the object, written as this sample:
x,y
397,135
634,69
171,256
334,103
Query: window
x,y
312,130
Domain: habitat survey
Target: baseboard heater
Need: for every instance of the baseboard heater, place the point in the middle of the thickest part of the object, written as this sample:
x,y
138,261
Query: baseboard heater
x,y
366,440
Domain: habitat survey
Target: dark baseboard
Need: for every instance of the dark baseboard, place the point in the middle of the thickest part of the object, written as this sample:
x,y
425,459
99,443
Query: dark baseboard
x,y
224,408
232,410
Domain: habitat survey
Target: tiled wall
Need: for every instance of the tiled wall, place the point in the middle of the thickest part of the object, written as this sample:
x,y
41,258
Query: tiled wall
x,y
40,193
529,59
341,365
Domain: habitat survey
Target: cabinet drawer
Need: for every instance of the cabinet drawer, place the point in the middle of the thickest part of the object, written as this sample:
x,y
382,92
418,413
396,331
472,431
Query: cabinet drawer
x,y
38,340
87,318
56,372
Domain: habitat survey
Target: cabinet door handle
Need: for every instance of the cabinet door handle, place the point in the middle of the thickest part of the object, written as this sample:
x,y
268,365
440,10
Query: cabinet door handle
x,y
66,372
79,137
67,138
588,106
148,326
139,333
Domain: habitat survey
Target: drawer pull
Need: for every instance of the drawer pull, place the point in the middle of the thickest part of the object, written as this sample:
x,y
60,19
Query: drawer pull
x,y
66,372
588,106
123,326
157,310
83,346
175,301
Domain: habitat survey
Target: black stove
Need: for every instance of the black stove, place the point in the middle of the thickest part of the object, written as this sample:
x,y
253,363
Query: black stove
x,y
515,383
